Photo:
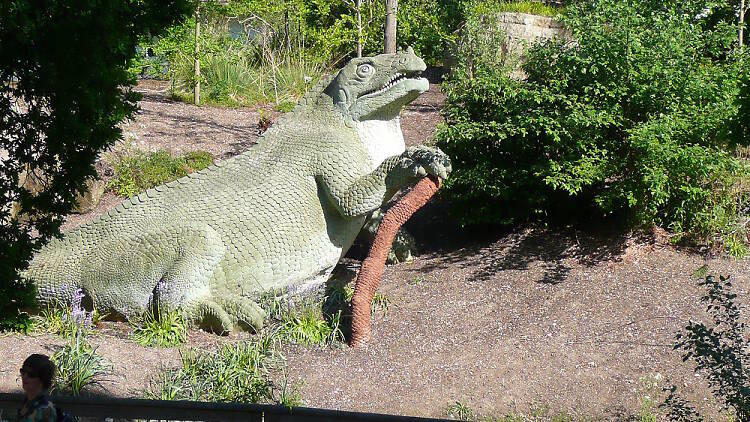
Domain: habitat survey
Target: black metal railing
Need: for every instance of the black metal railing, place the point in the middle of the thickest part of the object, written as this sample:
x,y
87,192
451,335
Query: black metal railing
x,y
117,408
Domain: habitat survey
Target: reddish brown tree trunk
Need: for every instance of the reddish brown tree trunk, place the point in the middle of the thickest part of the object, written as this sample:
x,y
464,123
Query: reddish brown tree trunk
x,y
371,271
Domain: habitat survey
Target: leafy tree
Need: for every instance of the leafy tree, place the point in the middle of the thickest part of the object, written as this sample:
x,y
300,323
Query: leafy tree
x,y
64,87
639,117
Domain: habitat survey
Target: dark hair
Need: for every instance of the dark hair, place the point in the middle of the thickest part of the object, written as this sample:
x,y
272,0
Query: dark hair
x,y
41,367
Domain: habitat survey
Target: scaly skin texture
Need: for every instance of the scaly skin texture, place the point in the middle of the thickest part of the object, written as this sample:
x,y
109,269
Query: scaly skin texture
x,y
280,215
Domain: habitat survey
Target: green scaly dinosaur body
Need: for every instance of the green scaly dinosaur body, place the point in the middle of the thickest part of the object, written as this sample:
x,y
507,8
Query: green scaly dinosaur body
x,y
281,214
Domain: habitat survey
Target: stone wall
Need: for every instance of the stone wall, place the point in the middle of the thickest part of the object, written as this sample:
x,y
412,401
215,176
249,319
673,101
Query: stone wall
x,y
524,29
518,31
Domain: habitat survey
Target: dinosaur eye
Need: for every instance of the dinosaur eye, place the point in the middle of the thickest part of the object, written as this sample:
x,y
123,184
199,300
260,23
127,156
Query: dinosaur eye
x,y
365,70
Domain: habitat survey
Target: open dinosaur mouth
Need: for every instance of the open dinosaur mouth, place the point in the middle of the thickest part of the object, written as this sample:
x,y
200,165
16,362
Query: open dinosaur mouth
x,y
393,81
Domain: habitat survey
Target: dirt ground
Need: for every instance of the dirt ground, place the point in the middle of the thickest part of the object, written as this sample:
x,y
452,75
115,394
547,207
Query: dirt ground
x,y
532,321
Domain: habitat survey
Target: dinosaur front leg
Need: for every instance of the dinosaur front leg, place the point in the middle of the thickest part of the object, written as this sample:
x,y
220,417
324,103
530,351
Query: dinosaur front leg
x,y
356,196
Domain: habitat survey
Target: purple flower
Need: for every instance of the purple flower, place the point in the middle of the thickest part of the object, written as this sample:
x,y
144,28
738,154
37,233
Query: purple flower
x,y
78,314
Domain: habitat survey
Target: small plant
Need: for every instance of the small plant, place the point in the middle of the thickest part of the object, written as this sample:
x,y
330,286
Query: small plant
x,y
306,325
78,366
161,329
285,106
647,397
460,411
289,394
264,122
67,321
380,301
721,351
138,171
234,373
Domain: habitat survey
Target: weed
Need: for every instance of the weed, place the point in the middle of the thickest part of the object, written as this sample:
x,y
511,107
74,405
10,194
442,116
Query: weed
x,y
647,397
160,329
234,373
289,395
306,325
460,411
137,171
285,106
380,301
78,366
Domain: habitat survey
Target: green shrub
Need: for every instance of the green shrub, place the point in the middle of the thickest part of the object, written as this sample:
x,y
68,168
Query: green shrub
x,y
138,171
20,298
234,373
160,329
636,119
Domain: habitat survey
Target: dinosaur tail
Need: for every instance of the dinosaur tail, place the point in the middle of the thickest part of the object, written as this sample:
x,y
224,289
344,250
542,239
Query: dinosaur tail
x,y
54,273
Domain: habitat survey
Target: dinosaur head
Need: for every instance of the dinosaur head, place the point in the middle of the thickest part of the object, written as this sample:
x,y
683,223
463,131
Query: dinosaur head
x,y
376,88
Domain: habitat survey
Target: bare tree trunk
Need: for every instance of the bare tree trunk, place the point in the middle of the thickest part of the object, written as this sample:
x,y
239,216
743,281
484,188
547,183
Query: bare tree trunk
x,y
359,28
371,271
286,31
197,62
742,22
391,9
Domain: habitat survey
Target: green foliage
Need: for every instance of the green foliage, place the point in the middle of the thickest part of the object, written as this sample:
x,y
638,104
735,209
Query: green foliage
x,y
234,373
68,321
78,366
63,90
137,171
247,69
304,324
721,351
460,411
160,329
638,118
19,297
285,107
530,7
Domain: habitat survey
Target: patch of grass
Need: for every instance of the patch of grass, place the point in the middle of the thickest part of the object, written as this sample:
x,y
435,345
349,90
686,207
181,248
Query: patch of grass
x,y
235,373
285,106
78,366
530,7
160,329
306,325
137,171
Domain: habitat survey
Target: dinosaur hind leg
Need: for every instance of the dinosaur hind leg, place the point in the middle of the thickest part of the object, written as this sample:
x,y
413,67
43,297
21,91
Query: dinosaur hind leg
x,y
186,284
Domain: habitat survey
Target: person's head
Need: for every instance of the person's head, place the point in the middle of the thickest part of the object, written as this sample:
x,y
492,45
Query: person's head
x,y
37,373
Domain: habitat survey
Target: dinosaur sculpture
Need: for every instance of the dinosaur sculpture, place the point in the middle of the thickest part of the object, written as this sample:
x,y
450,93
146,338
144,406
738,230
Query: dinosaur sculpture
x,y
281,214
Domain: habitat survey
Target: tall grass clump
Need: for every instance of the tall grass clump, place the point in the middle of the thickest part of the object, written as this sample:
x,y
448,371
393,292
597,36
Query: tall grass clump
x,y
302,320
239,372
78,364
136,171
160,328
236,71
635,119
